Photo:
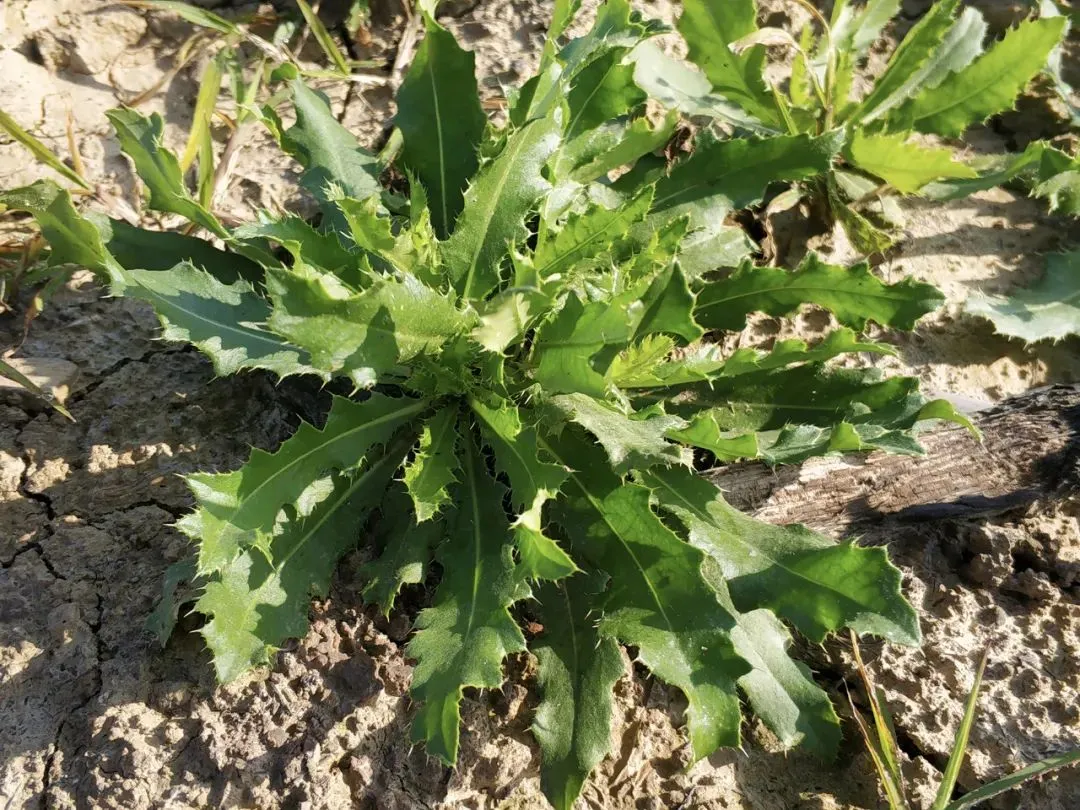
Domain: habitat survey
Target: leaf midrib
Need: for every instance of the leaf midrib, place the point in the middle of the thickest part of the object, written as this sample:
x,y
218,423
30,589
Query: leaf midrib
x,y
596,506
883,296
489,212
251,333
378,421
707,519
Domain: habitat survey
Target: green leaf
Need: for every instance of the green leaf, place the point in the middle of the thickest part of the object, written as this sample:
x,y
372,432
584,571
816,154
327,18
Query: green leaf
x,y
304,243
162,620
854,295
261,597
442,122
722,176
807,394
955,48
987,86
805,578
406,549
199,138
464,636
669,307
141,139
586,235
239,509
613,144
999,786
906,166
561,16
781,690
604,89
963,734
678,86
222,320
577,672
362,335
72,239
496,204
163,250
533,482
708,362
632,441
709,28
566,346
329,153
434,467
40,151
1048,310
726,175
322,36
657,599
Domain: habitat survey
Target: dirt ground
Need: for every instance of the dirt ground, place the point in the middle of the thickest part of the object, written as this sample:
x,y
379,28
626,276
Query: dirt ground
x,y
94,714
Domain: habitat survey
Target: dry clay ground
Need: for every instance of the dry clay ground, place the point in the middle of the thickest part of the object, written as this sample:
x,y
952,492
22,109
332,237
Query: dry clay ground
x,y
94,714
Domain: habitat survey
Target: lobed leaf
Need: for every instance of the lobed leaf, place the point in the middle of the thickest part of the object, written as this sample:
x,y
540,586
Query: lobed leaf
x,y
709,30
362,335
462,639
496,204
441,122
141,140
904,165
261,597
434,466
239,510
533,482
632,441
1048,310
657,599
221,320
817,585
987,86
577,669
854,295
406,549
329,153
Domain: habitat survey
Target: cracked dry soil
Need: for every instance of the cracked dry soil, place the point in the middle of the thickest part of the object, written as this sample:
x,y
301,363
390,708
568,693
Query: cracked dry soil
x,y
94,714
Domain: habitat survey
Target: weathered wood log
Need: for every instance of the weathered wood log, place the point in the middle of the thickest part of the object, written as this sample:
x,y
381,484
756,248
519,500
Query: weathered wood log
x,y
1030,450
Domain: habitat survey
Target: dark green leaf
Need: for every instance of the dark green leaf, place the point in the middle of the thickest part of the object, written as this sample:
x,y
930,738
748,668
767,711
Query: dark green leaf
x,y
464,636
577,671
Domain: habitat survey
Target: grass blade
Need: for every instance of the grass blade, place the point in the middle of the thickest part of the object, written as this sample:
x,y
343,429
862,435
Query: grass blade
x,y
16,376
322,36
205,102
40,150
882,722
1012,780
963,734
893,792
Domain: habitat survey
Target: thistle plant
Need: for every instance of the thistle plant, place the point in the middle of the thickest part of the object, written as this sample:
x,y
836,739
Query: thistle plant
x,y
531,396
939,81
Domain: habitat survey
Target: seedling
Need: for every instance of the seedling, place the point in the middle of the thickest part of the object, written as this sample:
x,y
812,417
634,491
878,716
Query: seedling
x,y
881,743
530,392
939,81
